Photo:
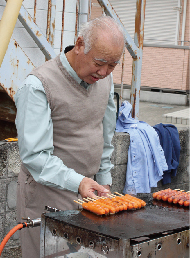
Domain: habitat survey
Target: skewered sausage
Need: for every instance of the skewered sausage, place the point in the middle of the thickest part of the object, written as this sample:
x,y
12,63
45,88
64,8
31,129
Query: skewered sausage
x,y
90,206
112,210
130,204
104,206
176,196
135,199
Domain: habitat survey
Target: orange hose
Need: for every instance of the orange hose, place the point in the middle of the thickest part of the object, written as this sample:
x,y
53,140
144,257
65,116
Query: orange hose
x,y
11,232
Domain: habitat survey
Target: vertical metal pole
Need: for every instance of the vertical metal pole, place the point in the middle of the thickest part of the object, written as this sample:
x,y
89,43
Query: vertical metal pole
x,y
51,21
69,23
34,19
48,20
89,10
178,22
122,73
183,23
62,28
83,12
77,20
137,62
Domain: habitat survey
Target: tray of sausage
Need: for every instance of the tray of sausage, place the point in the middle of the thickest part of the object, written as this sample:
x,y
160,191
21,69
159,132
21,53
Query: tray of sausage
x,y
111,204
177,196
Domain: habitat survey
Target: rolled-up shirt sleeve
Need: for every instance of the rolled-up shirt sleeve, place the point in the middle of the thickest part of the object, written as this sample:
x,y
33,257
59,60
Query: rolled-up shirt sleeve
x,y
103,176
35,138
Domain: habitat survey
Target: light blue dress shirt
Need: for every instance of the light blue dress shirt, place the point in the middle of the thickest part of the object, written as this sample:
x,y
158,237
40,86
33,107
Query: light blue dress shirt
x,y
35,136
146,159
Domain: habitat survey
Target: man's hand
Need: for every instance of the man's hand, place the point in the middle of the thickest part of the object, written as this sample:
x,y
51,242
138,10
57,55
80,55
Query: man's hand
x,y
103,193
88,186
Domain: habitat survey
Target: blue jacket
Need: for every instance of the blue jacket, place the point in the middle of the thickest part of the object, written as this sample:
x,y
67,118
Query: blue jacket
x,y
146,160
169,140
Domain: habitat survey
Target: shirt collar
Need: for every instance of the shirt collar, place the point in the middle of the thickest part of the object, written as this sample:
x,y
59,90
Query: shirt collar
x,y
67,66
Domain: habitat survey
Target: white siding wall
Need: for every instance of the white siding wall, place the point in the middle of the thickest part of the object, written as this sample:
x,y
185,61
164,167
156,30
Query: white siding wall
x,y
160,19
23,38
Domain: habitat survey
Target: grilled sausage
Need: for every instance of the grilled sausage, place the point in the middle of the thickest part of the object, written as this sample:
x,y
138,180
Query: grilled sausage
x,y
173,196
135,199
112,210
97,209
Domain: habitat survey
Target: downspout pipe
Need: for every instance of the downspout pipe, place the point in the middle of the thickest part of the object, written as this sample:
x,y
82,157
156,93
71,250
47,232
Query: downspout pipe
x,y
7,25
183,23
69,23
83,12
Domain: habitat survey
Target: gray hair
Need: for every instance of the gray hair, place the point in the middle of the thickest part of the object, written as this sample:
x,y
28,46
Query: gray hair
x,y
105,23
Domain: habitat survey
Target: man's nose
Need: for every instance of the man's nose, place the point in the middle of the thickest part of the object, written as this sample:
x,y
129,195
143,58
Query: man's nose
x,y
103,70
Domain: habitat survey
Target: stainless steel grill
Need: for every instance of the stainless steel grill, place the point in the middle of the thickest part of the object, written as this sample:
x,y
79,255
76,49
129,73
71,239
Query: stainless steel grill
x,y
159,230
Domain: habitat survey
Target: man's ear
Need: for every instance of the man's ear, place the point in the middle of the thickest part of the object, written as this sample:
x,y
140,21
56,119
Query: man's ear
x,y
79,45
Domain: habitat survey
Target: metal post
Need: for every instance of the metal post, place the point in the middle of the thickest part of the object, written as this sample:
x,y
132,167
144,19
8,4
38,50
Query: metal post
x,y
122,74
137,62
183,23
51,21
83,12
134,47
69,23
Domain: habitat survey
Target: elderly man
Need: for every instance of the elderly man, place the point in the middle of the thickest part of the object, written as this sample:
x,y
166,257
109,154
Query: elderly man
x,y
65,122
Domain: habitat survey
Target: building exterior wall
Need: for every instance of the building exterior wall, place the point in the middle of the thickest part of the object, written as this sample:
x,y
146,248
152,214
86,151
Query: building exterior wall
x,y
161,68
165,68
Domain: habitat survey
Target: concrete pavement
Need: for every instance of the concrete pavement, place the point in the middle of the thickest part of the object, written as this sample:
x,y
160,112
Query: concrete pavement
x,y
154,113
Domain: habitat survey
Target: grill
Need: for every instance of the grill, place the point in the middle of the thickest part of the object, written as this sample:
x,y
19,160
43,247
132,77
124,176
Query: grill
x,y
159,230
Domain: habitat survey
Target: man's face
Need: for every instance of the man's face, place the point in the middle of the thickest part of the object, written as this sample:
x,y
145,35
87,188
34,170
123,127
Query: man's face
x,y
99,62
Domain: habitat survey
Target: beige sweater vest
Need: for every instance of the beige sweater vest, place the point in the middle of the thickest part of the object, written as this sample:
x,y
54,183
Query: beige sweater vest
x,y
77,116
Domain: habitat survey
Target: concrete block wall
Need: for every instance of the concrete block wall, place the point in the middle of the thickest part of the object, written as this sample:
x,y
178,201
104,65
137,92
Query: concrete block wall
x,y
9,169
121,143
10,166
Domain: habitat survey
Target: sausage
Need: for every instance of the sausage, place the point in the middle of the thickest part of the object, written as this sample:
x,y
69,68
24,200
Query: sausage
x,y
173,196
157,195
186,203
122,205
111,205
163,193
93,208
116,204
181,202
167,194
108,202
111,208
136,203
135,199
178,197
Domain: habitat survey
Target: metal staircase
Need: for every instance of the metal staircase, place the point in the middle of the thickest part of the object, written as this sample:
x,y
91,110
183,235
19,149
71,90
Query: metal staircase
x,y
46,44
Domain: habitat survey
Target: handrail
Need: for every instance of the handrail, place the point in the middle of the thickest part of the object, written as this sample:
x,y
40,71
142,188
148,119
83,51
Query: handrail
x,y
7,25
36,34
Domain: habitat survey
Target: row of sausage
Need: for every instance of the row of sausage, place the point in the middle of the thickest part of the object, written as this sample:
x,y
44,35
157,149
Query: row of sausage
x,y
176,196
112,204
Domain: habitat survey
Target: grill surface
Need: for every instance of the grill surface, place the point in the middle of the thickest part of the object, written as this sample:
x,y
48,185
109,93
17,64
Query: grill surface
x,y
154,219
159,230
